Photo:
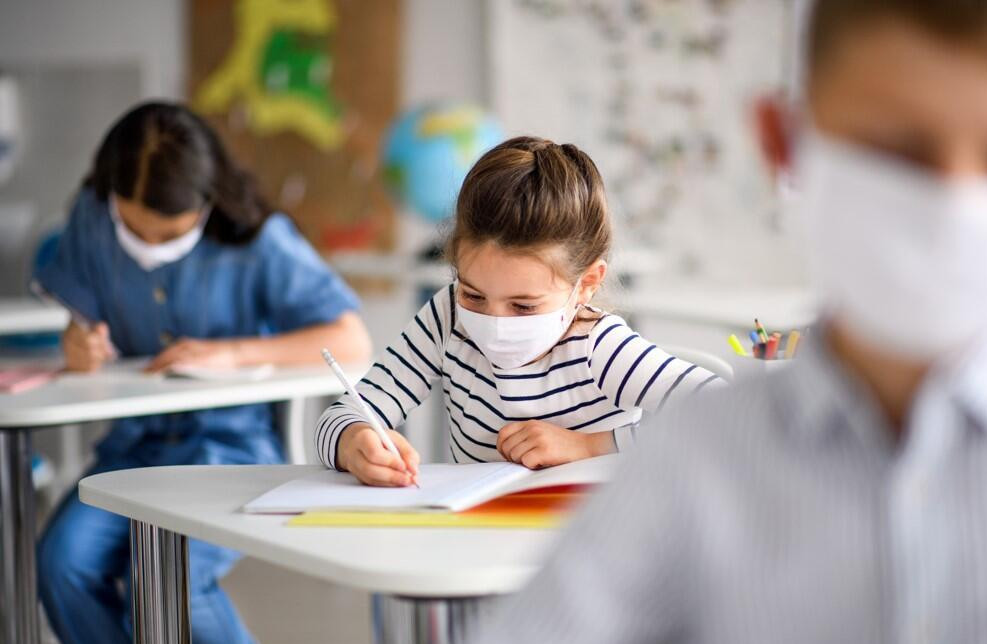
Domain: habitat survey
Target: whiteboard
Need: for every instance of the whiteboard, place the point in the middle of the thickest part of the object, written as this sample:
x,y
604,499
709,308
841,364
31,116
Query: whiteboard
x,y
658,93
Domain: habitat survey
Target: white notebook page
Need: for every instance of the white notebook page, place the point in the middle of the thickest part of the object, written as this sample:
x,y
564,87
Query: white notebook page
x,y
443,487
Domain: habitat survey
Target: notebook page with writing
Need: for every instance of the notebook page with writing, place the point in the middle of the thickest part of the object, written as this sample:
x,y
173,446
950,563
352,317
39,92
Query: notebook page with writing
x,y
443,488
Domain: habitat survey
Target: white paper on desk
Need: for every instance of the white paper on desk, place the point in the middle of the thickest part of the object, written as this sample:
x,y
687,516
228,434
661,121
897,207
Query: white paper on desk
x,y
249,374
443,487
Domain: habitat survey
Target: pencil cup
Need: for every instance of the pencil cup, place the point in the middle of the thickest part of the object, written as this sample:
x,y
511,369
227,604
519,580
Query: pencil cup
x,y
744,366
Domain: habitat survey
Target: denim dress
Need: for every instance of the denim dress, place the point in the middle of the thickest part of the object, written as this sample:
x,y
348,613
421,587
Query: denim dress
x,y
274,284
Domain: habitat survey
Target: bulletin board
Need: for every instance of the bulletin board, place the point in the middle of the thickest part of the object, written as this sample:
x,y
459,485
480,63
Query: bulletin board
x,y
658,93
303,91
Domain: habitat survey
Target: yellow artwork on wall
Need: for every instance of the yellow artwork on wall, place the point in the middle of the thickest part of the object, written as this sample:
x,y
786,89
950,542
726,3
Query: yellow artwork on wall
x,y
280,67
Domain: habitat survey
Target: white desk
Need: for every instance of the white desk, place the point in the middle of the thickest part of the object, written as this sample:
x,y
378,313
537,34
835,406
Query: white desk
x,y
443,575
29,315
729,309
118,391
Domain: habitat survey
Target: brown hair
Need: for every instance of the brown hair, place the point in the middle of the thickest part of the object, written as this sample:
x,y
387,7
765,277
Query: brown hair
x,y
528,194
964,21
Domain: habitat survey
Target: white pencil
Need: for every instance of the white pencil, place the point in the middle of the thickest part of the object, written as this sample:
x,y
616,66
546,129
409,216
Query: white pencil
x,y
370,415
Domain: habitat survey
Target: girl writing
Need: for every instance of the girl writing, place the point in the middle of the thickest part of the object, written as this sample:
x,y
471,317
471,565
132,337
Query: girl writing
x,y
170,252
529,371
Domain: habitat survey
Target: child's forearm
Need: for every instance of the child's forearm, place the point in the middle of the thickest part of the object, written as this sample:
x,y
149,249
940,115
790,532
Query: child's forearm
x,y
602,443
347,338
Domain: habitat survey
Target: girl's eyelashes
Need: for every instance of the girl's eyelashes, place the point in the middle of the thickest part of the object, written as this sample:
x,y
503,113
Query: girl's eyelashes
x,y
475,298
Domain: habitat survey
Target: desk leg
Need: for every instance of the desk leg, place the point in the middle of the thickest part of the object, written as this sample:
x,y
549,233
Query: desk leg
x,y
19,593
411,620
292,421
159,572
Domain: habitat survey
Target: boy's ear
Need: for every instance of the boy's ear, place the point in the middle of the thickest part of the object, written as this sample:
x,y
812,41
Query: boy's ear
x,y
772,121
591,281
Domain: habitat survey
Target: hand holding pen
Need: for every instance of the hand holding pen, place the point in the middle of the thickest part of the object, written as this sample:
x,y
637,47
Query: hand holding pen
x,y
87,344
87,348
375,455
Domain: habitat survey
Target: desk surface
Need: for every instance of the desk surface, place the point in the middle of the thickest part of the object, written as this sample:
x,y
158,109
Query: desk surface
x,y
120,390
779,308
203,502
28,315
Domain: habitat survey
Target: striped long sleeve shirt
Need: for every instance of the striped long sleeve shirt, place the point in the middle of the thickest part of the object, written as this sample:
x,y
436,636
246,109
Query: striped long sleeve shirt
x,y
599,377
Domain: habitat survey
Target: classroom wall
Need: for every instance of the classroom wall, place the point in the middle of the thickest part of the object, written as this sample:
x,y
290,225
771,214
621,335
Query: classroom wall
x,y
88,59
81,62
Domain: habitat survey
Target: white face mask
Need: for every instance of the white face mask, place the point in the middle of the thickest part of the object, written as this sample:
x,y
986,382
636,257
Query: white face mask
x,y
151,256
511,342
899,256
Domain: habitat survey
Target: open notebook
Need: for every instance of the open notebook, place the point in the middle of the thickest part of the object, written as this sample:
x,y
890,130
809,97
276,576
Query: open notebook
x,y
444,488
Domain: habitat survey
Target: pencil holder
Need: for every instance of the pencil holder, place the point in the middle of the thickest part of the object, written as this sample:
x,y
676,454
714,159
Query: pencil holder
x,y
744,366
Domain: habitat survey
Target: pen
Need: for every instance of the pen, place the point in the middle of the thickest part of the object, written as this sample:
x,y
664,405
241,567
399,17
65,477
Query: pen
x,y
736,346
79,319
793,343
755,338
371,417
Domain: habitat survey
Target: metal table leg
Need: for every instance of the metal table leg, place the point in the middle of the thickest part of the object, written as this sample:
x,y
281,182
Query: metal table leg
x,y
410,620
18,572
159,571
292,421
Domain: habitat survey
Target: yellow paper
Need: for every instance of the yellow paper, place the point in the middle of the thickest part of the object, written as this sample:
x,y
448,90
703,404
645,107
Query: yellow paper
x,y
427,520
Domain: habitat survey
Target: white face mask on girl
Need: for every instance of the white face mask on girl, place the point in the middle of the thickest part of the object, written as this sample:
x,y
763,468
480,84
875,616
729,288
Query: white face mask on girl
x,y
514,341
151,256
899,256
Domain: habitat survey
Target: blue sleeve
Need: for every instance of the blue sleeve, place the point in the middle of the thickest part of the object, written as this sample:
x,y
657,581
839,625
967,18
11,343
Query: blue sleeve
x,y
72,275
299,289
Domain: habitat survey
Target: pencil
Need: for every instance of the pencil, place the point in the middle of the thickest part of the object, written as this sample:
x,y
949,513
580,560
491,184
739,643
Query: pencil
x,y
371,417
760,330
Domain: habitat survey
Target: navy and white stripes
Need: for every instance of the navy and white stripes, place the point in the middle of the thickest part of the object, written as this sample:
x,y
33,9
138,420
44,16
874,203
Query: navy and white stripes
x,y
598,378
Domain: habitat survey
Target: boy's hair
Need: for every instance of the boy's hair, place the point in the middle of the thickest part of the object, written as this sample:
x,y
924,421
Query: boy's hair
x,y
529,194
963,21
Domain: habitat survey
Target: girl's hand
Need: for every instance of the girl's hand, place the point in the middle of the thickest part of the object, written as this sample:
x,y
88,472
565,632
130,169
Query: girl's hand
x,y
536,444
211,354
87,350
361,453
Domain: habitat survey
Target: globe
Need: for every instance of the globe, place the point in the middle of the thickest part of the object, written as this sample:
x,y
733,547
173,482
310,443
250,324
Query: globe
x,y
428,151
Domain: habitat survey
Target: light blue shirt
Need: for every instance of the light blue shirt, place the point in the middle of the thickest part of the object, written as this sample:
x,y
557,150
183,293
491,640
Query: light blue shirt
x,y
782,510
275,283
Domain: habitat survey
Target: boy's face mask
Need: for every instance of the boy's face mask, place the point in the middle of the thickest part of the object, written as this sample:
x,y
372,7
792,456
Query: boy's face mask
x,y
898,255
151,256
514,341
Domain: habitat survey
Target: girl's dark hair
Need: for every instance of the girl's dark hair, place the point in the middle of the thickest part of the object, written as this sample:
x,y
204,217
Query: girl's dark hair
x,y
167,158
528,194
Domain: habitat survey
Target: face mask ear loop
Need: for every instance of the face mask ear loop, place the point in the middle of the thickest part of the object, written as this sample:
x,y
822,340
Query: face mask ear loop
x,y
575,292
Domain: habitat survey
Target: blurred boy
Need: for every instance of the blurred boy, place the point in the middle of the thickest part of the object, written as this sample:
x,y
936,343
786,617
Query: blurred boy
x,y
844,500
